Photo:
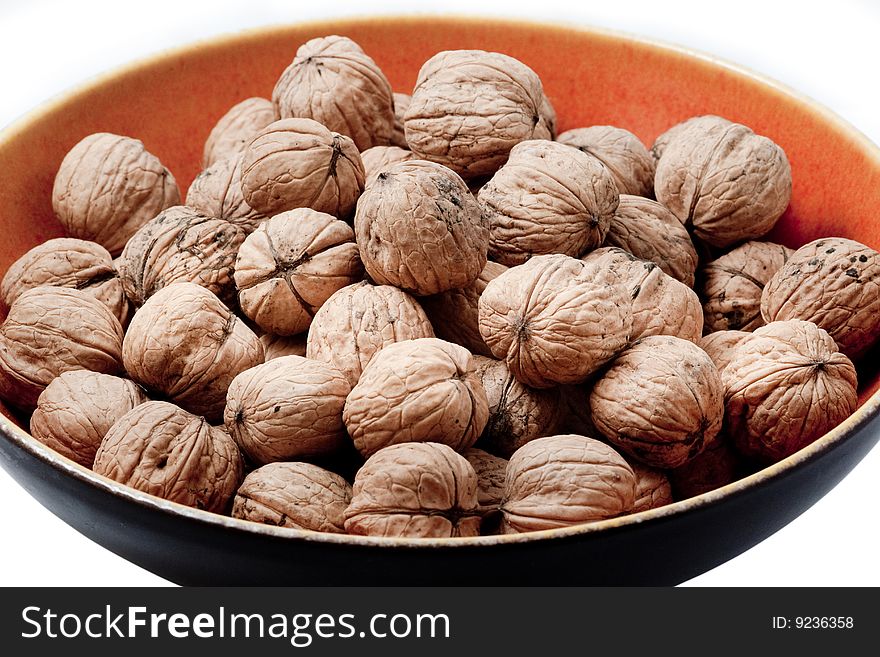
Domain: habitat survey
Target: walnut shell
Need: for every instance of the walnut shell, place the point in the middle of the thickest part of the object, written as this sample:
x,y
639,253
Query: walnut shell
x,y
419,490
67,262
185,344
52,330
491,471
699,124
470,107
77,409
401,104
216,192
785,387
423,390
290,266
565,480
180,245
235,129
660,401
575,413
379,158
298,495
731,285
272,410
162,450
359,320
547,198
276,346
109,186
714,467
653,489
721,345
297,163
332,81
625,156
834,283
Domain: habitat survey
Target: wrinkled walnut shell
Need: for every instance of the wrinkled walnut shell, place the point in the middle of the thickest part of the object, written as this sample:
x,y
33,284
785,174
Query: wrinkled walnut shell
x,y
401,104
721,346
276,346
235,129
491,471
699,124
625,156
714,467
216,192
379,158
653,489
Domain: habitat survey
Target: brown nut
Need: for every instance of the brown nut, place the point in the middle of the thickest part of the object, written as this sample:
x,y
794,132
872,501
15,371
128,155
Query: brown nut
x,y
216,192
185,344
785,387
67,262
699,124
565,480
491,471
77,409
180,245
660,401
298,163
626,158
653,489
52,330
401,104
290,266
332,81
714,467
547,198
109,186
298,495
418,490
359,320
379,158
287,409
834,283
423,390
162,450
721,345
235,129
470,107
276,346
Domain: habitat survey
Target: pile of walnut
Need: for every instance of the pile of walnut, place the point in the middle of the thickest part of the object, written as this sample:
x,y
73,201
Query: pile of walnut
x,y
430,315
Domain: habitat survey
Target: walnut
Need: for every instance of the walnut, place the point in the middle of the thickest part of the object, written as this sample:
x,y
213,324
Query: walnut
x,y
401,104
454,314
272,410
180,245
216,192
699,124
332,81
162,450
517,414
276,346
470,107
491,472
555,319
419,228
547,198
731,285
77,409
419,490
714,467
626,158
720,346
298,495
653,489
109,186
67,262
835,283
423,390
235,129
359,320
296,163
660,400
726,183
379,158
575,413
651,232
52,330
291,265
785,387
565,480
185,344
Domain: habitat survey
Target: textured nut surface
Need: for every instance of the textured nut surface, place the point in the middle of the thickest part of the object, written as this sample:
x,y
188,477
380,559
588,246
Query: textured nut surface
x,y
333,81
731,285
290,266
235,129
699,124
276,346
547,198
565,480
298,163
419,490
714,467
653,489
470,107
298,495
216,192
379,158
423,390
720,346
180,245
834,283
555,319
52,330
287,409
109,186
401,104
625,156
660,401
162,450
419,228
77,409
491,471
785,387
185,344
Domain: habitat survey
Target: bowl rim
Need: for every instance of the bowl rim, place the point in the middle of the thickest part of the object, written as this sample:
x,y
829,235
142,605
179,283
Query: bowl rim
x,y
854,423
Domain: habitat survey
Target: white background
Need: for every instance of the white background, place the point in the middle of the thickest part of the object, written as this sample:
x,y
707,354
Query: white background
x,y
827,50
